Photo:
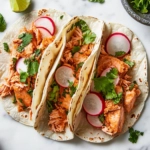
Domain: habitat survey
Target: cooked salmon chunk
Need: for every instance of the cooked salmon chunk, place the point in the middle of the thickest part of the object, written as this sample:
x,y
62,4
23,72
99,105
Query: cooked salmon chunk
x,y
130,98
114,118
106,61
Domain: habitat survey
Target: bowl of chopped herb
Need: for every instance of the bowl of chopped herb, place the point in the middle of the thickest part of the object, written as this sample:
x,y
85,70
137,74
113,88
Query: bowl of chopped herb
x,y
138,9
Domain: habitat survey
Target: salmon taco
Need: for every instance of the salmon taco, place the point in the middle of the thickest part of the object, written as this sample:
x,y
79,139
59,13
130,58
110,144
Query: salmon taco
x,y
68,77
28,51
116,93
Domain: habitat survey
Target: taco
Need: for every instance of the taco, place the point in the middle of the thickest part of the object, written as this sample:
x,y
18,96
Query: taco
x,y
116,92
68,77
28,51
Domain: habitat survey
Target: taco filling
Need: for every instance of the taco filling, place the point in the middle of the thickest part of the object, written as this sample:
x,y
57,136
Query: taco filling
x,y
26,52
113,91
78,48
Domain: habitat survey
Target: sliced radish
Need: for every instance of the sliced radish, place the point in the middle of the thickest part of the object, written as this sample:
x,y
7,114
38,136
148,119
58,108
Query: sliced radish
x,y
117,42
93,104
21,66
45,33
116,81
47,23
94,121
64,75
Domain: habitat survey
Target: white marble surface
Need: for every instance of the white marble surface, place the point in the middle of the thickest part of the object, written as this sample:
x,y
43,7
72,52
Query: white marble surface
x,y
14,136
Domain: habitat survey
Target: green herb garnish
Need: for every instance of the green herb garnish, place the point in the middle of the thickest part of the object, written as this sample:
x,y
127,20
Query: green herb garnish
x,y
72,88
99,1
23,76
79,65
2,23
88,35
30,92
141,5
49,106
75,49
26,39
61,17
130,63
14,100
105,84
119,53
131,86
101,118
37,52
6,47
134,135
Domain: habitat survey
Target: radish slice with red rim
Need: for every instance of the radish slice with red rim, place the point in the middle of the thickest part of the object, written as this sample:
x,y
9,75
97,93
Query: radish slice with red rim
x,y
45,33
94,121
93,104
46,22
118,44
64,75
116,81
21,66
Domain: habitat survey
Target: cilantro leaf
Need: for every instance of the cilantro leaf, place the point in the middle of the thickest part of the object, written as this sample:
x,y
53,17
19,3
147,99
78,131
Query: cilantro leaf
x,y
105,84
2,23
6,47
14,100
99,1
79,65
49,106
101,118
37,52
130,63
26,39
134,135
88,35
119,53
23,76
30,92
33,67
61,17
75,49
131,86
72,88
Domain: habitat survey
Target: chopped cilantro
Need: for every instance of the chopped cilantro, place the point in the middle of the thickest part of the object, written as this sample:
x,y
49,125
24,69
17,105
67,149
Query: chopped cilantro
x,y
37,52
61,17
26,39
101,118
99,1
30,92
6,47
72,88
49,106
2,23
131,86
130,63
88,35
14,60
79,65
75,49
134,135
105,84
14,100
23,76
119,53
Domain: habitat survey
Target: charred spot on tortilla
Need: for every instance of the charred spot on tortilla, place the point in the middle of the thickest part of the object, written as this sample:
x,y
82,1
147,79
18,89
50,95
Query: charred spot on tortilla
x,y
60,137
138,115
133,116
140,79
91,139
42,134
40,12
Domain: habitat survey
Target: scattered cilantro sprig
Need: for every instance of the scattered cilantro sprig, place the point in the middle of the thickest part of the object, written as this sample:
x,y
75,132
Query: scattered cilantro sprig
x,y
101,118
6,47
99,1
134,135
119,53
105,84
72,88
130,63
88,35
26,39
2,23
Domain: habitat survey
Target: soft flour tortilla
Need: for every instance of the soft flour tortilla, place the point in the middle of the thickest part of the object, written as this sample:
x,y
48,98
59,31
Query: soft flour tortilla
x,y
139,73
46,63
42,118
